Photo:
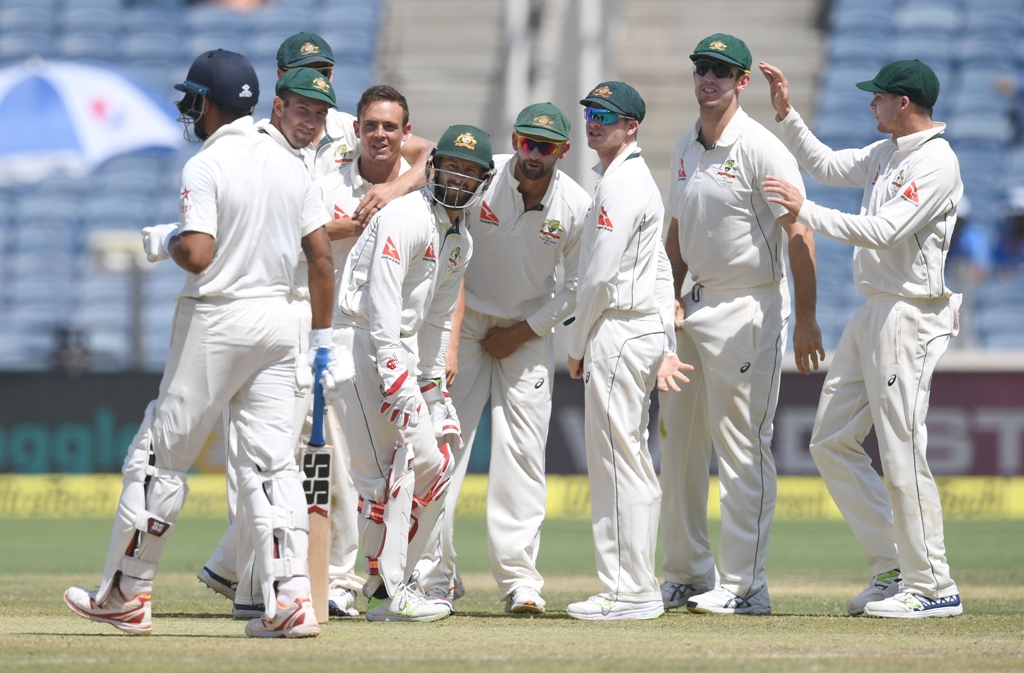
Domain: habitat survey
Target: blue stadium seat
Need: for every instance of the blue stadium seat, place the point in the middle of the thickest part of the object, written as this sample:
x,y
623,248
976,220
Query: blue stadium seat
x,y
930,15
84,15
22,44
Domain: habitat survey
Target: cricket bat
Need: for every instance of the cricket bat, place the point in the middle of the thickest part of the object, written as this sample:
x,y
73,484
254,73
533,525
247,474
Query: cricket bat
x,y
316,465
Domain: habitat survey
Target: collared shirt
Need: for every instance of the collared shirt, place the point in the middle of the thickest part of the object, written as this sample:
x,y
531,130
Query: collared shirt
x,y
341,191
911,189
517,250
621,252
257,202
729,234
403,276
336,149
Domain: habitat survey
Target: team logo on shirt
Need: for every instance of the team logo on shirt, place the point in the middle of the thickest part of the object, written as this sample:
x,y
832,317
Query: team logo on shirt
x,y
341,154
682,170
910,194
453,258
898,182
487,215
729,169
390,252
551,231
603,221
185,207
339,214
430,255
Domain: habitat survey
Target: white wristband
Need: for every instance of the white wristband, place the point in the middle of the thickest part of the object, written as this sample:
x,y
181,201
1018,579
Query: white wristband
x,y
321,338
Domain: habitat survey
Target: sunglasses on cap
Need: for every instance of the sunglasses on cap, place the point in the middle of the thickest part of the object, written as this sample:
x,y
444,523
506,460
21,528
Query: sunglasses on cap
x,y
545,147
721,70
325,70
601,116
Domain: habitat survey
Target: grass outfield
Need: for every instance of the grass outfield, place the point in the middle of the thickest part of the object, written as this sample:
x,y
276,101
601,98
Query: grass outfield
x,y
814,568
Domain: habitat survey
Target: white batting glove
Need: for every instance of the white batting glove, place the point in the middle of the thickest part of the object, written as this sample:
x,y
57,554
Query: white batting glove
x,y
402,401
305,364
442,411
155,240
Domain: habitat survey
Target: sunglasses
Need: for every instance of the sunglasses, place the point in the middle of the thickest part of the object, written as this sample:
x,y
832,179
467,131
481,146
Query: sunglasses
x,y
601,116
545,147
721,70
325,70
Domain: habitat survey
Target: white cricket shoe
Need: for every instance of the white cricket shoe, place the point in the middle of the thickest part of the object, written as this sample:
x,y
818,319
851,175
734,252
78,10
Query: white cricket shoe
x,y
291,621
906,605
408,605
134,616
675,595
524,599
721,601
882,586
215,582
602,608
341,602
441,596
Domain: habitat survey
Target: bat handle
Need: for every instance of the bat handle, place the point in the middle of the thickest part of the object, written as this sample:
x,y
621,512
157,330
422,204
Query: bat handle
x,y
316,436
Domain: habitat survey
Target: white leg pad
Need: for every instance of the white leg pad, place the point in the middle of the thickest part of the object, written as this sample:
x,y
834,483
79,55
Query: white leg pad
x,y
275,505
427,509
388,530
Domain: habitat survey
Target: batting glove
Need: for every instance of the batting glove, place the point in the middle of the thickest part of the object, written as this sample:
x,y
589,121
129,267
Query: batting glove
x,y
305,364
402,401
155,240
442,411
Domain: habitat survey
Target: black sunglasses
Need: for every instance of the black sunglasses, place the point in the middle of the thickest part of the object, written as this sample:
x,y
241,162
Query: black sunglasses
x,y
721,70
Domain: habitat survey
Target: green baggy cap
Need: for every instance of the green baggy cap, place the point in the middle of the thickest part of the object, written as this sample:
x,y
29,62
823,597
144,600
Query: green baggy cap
x,y
618,97
463,141
302,49
725,48
309,83
543,120
912,79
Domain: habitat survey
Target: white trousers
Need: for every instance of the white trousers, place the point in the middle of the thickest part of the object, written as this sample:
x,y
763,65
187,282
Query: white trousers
x,y
519,387
735,339
881,375
620,371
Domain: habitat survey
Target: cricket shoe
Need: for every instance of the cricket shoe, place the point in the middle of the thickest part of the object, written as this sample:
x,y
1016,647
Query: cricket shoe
x,y
440,596
882,586
675,595
721,601
246,612
215,582
905,605
341,602
602,608
458,588
524,599
133,616
408,605
291,621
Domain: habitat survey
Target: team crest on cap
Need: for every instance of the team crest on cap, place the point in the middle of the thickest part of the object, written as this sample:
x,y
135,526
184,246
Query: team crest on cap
x,y
308,49
466,140
320,84
245,93
543,120
603,92
718,45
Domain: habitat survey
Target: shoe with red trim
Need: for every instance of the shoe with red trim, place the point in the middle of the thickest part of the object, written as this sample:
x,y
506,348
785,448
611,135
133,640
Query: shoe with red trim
x,y
134,616
291,621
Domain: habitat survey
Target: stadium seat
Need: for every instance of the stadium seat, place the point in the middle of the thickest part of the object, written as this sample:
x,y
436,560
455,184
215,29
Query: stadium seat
x,y
930,15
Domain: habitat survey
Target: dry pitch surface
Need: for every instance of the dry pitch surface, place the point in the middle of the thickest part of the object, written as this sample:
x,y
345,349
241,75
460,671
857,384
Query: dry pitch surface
x,y
193,630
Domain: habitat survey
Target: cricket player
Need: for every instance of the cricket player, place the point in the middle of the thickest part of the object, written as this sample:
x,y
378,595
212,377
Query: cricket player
x,y
622,344
530,218
402,280
382,130
882,371
733,328
245,205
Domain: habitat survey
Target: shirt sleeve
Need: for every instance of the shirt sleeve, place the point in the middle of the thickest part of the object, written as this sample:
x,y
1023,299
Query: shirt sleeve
x,y
562,305
314,215
436,330
927,192
392,252
772,158
843,168
197,205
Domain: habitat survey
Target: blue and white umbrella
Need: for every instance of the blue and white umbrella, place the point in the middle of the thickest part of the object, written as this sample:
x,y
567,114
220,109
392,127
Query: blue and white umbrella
x,y
74,116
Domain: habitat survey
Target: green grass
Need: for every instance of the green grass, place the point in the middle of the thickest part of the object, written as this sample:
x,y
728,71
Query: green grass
x,y
814,568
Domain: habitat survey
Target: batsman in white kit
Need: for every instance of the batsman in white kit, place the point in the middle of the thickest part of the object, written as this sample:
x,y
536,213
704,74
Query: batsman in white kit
x,y
401,281
882,370
622,344
530,218
245,207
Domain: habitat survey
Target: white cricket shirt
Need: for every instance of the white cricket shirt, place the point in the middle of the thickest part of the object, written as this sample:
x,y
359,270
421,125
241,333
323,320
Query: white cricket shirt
x,y
729,234
336,149
911,189
257,202
516,250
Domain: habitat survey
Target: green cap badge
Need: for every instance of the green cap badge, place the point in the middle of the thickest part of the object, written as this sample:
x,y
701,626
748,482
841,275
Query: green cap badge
x,y
302,49
724,48
309,83
912,79
463,141
618,97
543,120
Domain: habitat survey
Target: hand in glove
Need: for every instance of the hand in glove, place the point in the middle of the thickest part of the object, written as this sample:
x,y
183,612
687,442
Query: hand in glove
x,y
333,375
402,401
156,239
442,411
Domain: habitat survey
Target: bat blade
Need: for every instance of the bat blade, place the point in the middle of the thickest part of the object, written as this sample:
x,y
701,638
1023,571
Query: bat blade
x,y
316,465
